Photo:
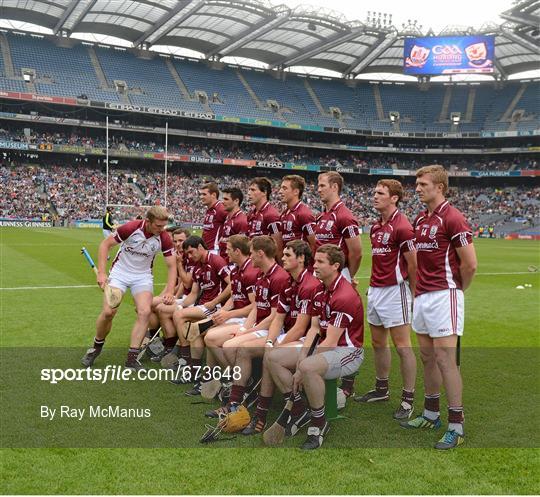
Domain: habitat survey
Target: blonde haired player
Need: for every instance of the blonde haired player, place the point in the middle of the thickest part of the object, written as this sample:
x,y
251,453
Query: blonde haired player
x,y
140,241
446,266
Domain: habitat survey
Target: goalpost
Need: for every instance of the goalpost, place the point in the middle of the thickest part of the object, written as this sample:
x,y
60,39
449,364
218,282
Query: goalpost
x,y
136,208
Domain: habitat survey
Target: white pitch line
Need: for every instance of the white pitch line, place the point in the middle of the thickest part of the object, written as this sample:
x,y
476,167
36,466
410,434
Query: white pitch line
x,y
66,287
60,287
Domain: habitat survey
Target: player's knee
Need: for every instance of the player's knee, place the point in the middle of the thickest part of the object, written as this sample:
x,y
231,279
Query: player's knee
x,y
266,357
445,359
144,312
379,342
404,351
306,367
427,357
108,313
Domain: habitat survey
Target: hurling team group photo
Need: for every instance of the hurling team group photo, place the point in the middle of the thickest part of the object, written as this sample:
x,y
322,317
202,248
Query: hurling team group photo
x,y
251,247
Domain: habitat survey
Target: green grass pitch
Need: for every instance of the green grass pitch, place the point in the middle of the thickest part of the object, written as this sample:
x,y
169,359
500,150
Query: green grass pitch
x,y
364,454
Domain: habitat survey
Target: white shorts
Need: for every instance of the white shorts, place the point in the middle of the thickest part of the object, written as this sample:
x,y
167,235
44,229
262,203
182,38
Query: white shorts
x,y
107,233
239,321
206,311
347,274
439,314
342,361
137,283
180,303
389,306
264,333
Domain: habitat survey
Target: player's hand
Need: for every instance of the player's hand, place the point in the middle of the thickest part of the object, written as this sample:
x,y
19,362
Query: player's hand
x,y
179,257
168,299
220,317
241,331
101,279
297,381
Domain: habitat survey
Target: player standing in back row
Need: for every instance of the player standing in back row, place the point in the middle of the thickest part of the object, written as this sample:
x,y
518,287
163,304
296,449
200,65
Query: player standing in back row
x,y
337,224
393,277
263,218
214,218
296,221
446,267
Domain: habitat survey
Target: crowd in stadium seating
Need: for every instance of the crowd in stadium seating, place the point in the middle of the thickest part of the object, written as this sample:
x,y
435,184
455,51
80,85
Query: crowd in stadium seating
x,y
79,193
239,150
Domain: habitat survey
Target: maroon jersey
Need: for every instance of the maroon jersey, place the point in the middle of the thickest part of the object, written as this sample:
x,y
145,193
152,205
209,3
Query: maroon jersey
x,y
264,221
236,224
340,306
267,290
139,248
389,242
243,281
437,237
213,224
210,276
296,223
297,297
335,226
189,266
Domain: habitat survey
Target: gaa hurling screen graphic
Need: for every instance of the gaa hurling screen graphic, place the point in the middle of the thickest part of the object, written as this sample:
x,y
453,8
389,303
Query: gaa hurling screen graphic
x,y
449,55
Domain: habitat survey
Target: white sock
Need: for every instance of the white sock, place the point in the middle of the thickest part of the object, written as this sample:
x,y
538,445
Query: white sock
x,y
457,427
431,415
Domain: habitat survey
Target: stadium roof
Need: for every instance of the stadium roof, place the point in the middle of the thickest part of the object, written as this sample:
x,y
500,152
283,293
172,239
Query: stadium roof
x,y
273,34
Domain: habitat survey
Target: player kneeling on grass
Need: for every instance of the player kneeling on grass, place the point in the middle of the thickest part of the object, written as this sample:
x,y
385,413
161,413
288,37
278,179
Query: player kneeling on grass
x,y
446,267
211,288
287,330
132,268
338,316
389,311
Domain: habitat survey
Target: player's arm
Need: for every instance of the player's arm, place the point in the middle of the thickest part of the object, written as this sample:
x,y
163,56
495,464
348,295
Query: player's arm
x,y
298,330
461,239
275,328
230,312
250,321
278,239
266,322
467,264
185,277
103,251
354,246
312,240
332,337
222,297
410,259
314,330
168,293
192,297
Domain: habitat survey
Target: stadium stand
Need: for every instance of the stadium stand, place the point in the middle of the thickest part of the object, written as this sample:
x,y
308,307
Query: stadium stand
x,y
77,192
153,80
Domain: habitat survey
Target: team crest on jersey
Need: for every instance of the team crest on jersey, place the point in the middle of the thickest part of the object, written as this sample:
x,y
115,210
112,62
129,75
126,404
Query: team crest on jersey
x,y
288,225
329,225
433,232
265,293
385,238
